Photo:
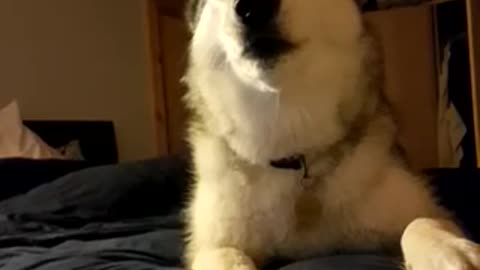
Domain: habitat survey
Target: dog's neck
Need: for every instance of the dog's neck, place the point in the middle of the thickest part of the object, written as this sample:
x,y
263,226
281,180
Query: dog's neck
x,y
266,127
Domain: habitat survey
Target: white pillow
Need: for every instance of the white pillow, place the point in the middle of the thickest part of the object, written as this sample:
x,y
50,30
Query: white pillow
x,y
17,141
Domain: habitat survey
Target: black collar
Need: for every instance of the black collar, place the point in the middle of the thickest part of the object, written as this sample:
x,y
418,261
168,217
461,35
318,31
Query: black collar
x,y
296,162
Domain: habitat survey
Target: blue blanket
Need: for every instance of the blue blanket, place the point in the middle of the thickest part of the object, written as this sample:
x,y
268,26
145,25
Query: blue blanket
x,y
127,217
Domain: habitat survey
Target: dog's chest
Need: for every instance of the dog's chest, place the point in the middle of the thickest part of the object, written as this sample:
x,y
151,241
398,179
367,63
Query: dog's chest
x,y
283,213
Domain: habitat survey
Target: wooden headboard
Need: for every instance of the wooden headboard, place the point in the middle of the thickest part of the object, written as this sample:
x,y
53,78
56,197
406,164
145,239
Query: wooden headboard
x,y
97,138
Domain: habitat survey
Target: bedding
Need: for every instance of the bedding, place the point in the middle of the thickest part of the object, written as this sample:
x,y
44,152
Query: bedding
x,y
72,150
18,141
106,217
37,152
128,216
93,141
19,175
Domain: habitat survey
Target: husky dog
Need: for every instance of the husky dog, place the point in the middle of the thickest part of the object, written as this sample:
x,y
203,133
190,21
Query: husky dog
x,y
294,148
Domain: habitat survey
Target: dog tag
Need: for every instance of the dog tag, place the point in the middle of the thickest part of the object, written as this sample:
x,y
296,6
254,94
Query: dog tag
x,y
307,182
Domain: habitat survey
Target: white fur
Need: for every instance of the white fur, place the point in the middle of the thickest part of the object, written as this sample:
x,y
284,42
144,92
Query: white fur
x,y
243,211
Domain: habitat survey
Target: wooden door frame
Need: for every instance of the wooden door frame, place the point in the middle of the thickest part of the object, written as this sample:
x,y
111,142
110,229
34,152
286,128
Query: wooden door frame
x,y
473,22
155,76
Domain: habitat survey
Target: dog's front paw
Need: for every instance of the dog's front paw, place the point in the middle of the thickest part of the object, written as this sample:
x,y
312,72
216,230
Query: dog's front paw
x,y
222,259
454,254
438,246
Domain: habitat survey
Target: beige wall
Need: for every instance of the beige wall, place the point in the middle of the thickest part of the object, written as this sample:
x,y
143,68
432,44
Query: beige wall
x,y
79,59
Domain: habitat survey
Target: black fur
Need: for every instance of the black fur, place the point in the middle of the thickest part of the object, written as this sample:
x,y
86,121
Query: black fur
x,y
262,37
266,44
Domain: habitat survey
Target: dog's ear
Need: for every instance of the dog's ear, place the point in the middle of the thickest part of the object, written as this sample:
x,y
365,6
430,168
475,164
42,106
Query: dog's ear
x,y
192,12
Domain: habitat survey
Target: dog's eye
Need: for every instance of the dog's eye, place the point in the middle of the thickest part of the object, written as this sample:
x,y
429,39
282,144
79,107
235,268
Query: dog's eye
x,y
192,12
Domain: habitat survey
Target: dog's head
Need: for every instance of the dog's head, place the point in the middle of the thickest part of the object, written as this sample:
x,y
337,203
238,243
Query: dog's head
x,y
267,39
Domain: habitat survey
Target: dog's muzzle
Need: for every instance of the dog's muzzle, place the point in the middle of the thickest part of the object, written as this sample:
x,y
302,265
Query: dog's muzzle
x,y
261,35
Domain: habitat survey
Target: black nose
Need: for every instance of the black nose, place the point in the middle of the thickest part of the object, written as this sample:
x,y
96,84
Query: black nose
x,y
256,13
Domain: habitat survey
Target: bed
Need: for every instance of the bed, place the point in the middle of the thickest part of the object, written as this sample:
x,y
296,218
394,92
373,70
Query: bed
x,y
101,214
102,217
128,216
